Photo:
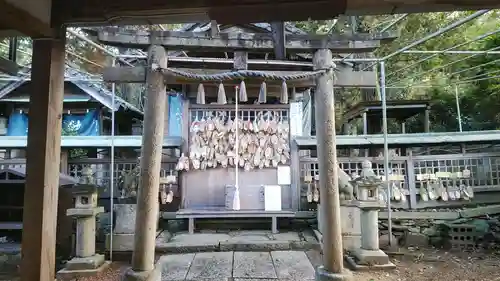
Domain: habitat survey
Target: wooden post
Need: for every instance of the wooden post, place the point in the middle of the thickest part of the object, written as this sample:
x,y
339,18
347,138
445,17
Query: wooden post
x,y
152,139
64,161
214,28
43,157
327,162
427,121
240,60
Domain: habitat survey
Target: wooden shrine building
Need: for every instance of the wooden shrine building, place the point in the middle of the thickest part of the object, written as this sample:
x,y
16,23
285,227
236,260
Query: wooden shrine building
x,y
89,102
44,19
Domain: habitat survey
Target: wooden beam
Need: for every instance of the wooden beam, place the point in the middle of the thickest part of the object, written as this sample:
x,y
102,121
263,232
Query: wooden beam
x,y
6,33
349,78
177,11
279,37
240,60
12,17
43,159
345,78
8,66
258,42
214,28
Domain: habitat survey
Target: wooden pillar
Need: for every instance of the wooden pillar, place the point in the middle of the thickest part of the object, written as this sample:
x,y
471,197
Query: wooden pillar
x,y
43,157
63,166
240,60
366,151
152,140
427,121
327,164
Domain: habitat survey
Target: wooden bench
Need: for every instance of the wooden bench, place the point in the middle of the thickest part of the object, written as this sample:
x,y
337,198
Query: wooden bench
x,y
192,214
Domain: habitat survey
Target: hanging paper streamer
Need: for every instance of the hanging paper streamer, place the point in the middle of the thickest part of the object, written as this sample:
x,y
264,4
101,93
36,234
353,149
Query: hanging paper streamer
x,y
200,97
221,95
284,93
262,93
243,92
176,105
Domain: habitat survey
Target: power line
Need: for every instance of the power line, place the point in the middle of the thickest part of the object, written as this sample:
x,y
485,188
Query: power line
x,y
474,67
485,74
444,52
448,49
465,81
394,23
432,35
446,65
437,33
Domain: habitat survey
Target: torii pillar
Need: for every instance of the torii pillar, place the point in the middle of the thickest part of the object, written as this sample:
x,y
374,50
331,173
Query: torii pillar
x,y
143,259
333,258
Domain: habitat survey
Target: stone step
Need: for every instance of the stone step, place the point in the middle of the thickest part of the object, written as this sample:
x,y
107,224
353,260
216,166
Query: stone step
x,y
246,241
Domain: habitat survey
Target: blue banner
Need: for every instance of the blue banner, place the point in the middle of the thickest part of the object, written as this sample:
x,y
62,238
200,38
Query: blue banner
x,y
18,124
176,105
73,124
81,124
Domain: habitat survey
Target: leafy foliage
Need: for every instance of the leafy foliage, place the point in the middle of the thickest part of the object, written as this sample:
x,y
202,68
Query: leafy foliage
x,y
412,76
408,76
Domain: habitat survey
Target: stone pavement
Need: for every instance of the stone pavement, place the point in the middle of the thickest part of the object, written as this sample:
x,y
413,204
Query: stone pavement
x,y
237,266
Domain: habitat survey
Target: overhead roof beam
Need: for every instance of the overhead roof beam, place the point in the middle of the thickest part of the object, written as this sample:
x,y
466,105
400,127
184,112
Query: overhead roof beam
x,y
18,19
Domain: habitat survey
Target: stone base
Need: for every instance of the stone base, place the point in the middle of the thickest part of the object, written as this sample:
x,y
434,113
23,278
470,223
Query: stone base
x,y
153,275
369,260
323,275
89,263
349,242
351,263
121,242
72,274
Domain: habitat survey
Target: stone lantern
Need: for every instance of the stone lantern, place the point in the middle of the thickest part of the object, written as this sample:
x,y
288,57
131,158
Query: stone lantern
x,y
369,253
86,261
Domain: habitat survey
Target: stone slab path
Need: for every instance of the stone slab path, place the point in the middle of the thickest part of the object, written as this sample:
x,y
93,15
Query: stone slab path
x,y
236,241
237,266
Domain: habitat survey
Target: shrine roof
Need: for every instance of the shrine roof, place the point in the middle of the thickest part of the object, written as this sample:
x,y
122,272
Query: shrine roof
x,y
396,109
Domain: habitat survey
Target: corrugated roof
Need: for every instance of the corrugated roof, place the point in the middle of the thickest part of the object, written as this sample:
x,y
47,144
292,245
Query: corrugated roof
x,y
97,90
64,179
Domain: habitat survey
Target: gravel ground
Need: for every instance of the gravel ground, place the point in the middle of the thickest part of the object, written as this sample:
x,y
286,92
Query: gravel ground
x,y
411,265
113,273
433,265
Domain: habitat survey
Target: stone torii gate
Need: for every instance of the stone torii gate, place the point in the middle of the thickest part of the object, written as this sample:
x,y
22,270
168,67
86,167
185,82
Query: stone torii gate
x,y
147,203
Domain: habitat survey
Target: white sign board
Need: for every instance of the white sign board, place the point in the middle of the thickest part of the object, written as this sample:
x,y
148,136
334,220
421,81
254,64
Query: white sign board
x,y
295,118
272,198
284,175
